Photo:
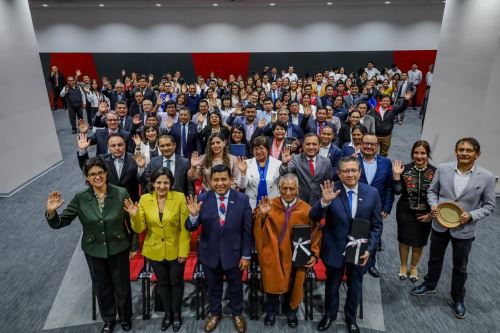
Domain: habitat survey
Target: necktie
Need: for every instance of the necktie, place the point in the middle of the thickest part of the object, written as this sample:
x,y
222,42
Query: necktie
x,y
123,123
320,128
274,96
222,211
349,197
57,79
184,141
166,164
311,167
119,166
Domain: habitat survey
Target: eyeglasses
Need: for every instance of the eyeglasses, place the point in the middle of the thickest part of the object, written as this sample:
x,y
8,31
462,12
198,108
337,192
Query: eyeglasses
x,y
94,175
349,171
373,144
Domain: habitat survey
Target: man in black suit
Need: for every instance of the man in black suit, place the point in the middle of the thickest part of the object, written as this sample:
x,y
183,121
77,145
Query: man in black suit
x,y
311,125
136,105
124,120
122,168
295,116
177,164
100,136
148,93
56,80
116,95
185,134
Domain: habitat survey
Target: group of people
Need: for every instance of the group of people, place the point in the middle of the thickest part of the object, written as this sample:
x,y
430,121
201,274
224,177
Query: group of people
x,y
249,165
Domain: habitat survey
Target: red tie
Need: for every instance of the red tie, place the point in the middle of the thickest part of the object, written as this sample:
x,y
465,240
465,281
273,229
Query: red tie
x,y
311,167
222,210
320,128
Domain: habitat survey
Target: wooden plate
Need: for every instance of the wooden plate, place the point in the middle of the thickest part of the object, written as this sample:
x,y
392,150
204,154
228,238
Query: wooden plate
x,y
448,214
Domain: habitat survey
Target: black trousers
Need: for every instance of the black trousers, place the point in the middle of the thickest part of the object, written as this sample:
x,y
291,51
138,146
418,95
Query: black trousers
x,y
72,114
461,249
111,280
90,111
55,97
272,305
354,284
215,289
170,277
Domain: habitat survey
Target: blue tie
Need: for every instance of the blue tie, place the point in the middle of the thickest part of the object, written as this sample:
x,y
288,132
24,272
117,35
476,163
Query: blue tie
x,y
183,141
350,192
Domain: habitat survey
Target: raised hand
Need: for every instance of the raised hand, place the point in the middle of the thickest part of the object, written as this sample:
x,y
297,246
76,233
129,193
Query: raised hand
x,y
137,140
54,202
103,108
130,207
265,206
195,160
307,111
408,95
328,192
169,122
140,160
397,168
238,110
286,155
136,120
82,126
193,205
200,118
242,164
261,123
83,142
351,108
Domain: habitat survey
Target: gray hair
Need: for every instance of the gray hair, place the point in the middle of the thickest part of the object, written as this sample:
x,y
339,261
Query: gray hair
x,y
111,112
347,159
289,177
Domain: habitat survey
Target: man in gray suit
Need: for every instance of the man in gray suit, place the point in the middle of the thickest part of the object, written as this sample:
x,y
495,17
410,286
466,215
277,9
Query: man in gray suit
x,y
311,169
366,120
402,87
473,188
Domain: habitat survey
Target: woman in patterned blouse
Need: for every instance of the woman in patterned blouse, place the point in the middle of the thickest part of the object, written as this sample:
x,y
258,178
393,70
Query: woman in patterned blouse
x,y
413,212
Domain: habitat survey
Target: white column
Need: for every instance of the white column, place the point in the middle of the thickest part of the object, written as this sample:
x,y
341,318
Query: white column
x,y
29,144
465,94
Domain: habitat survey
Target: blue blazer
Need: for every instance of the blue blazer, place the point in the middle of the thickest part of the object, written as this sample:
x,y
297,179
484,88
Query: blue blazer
x,y
100,138
338,222
334,155
228,243
382,181
193,144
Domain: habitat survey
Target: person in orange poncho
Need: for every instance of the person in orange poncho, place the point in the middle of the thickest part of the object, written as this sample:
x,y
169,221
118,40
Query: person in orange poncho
x,y
274,220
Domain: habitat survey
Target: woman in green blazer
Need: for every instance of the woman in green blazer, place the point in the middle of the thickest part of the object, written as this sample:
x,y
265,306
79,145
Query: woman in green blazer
x,y
163,213
105,240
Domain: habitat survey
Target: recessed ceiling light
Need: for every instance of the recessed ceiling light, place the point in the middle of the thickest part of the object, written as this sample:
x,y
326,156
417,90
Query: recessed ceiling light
x,y
387,2
215,4
158,5
44,5
272,4
101,5
329,3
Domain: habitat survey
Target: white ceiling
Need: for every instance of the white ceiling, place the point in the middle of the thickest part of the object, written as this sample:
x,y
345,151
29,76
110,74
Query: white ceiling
x,y
222,3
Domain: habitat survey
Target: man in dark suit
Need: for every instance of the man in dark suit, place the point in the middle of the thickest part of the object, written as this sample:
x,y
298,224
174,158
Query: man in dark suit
x,y
124,120
329,97
274,94
177,164
100,136
344,201
247,118
116,95
225,243
56,80
311,168
193,99
311,125
327,147
376,171
136,105
295,115
185,134
354,97
148,93
402,87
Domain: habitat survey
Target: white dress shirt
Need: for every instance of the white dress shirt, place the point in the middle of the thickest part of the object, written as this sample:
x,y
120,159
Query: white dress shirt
x,y
461,179
354,190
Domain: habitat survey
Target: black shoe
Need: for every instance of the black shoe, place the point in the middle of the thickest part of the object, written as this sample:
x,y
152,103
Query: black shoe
x,y
353,328
73,131
459,309
325,323
374,272
177,323
270,320
292,320
423,289
108,327
165,323
126,325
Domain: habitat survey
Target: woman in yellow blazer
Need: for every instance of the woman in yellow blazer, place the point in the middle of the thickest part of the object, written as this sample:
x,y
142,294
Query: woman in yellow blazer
x,y
163,213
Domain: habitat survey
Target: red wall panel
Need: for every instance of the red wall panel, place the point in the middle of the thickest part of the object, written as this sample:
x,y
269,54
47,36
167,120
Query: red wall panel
x,y
423,58
222,64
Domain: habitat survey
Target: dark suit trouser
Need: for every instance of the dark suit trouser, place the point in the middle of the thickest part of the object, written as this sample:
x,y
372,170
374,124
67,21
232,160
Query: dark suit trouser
x,y
272,305
72,114
111,280
354,285
55,97
461,249
170,277
215,289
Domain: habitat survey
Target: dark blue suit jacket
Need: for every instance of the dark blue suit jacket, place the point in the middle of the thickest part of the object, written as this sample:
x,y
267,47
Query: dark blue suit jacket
x,y
334,155
181,182
382,181
193,143
100,138
225,244
338,222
